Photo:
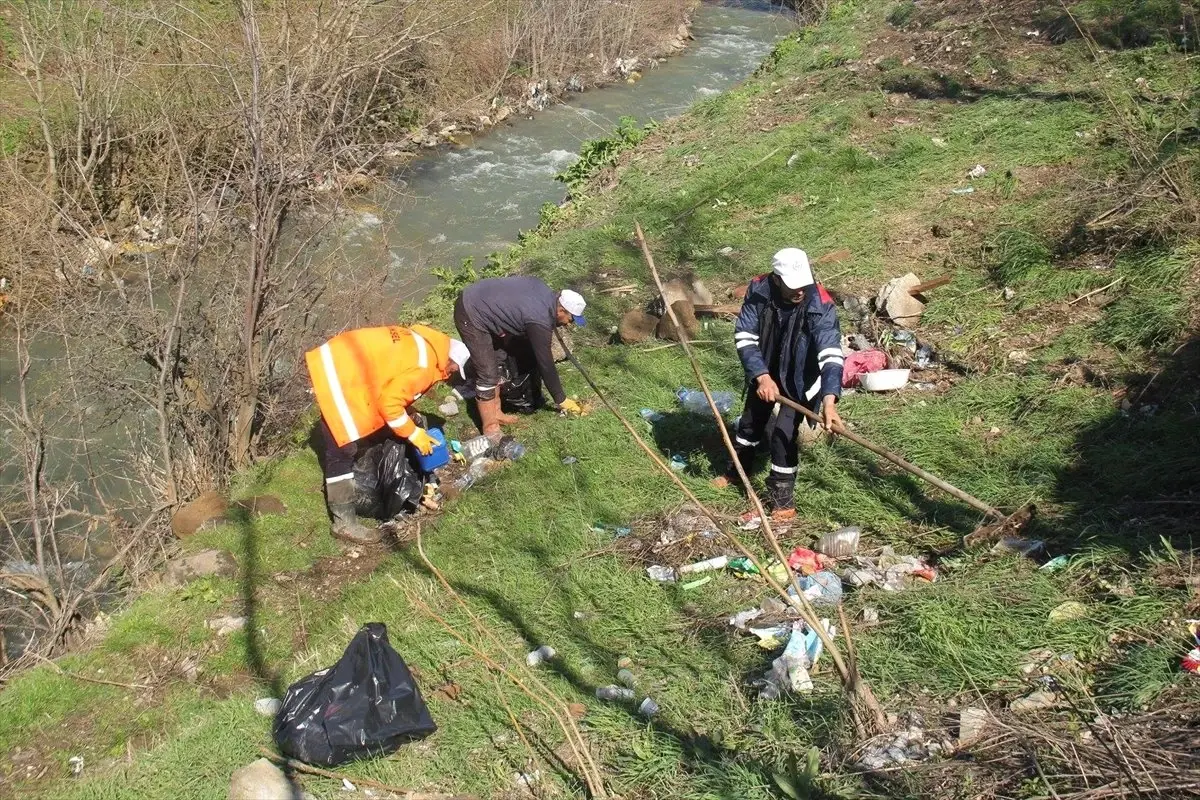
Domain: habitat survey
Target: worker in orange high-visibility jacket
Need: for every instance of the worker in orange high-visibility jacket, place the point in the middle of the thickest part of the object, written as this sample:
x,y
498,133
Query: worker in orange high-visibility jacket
x,y
364,380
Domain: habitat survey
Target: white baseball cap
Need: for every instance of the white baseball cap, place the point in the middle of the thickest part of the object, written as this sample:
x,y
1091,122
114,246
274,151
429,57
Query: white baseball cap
x,y
459,353
791,265
574,303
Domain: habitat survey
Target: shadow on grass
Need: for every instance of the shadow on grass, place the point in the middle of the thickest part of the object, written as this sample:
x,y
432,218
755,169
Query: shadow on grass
x,y
1135,483
702,753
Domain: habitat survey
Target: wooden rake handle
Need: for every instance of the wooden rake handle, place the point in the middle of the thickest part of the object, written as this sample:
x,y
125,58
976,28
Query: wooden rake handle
x,y
908,467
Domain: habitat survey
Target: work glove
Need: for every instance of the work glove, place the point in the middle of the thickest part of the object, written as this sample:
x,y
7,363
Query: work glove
x,y
421,440
571,407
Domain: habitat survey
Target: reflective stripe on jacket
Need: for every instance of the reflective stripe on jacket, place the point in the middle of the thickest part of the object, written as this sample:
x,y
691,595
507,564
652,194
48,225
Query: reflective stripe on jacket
x,y
809,351
366,378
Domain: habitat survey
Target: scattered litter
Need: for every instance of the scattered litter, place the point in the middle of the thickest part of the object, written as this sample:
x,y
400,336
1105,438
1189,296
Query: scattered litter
x,y
541,655
652,416
678,462
1191,662
792,159
741,618
624,662
885,380
347,786
618,531
476,447
977,171
892,749
938,142
791,670
742,567
448,408
718,562
806,561
1009,293
694,401
688,522
726,250
527,780
840,543
861,362
772,638
614,693
963,190
1070,610
661,574
773,605
569,460
888,570
1056,563
223,626
477,470
822,588
648,708
76,765
925,357
1020,545
924,387
696,584
267,706
625,678
1019,357
870,615
1036,701
906,339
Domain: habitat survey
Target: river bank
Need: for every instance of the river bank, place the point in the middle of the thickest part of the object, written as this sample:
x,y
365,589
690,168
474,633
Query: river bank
x,y
1036,361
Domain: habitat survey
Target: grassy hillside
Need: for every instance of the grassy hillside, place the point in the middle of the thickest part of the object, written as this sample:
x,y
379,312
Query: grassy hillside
x,y
1085,405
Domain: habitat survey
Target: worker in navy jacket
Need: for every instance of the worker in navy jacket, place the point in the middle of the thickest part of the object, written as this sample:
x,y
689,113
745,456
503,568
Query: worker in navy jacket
x,y
788,338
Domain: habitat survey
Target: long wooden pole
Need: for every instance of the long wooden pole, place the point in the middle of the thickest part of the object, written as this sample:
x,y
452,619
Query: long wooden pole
x,y
907,466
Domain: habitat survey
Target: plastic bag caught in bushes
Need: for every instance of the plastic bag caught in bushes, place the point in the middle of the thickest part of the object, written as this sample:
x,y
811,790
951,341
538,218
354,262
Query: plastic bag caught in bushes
x,y
365,705
386,482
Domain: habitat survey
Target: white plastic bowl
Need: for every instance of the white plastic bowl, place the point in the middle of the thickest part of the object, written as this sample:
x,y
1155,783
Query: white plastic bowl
x,y
885,380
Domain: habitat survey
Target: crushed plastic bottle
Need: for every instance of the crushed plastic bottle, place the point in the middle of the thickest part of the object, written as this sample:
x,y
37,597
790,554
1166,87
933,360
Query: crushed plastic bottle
x,y
474,472
625,678
648,708
540,655
661,574
694,401
719,562
925,357
619,693
651,416
678,462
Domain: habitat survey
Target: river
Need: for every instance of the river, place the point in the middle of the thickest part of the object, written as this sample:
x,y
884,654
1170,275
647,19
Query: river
x,y
454,203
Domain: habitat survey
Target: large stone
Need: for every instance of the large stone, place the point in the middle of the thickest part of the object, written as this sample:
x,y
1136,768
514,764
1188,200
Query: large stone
x,y
897,304
206,563
972,721
206,511
261,780
262,504
699,294
636,326
686,313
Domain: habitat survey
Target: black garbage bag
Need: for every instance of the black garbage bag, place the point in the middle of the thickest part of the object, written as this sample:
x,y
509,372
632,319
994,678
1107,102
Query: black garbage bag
x,y
521,389
387,484
365,705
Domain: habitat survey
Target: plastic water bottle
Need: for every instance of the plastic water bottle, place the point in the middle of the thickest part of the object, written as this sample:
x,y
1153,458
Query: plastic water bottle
x,y
509,449
614,693
693,400
474,448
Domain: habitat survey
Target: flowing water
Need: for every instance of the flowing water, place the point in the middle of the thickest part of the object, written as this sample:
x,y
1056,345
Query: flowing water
x,y
472,200
461,202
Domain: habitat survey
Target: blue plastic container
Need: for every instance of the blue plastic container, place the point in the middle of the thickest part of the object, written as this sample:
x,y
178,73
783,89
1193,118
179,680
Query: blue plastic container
x,y
440,456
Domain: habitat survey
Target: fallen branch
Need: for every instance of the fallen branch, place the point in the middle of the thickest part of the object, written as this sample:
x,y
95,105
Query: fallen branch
x,y
726,184
555,705
88,679
406,794
1096,291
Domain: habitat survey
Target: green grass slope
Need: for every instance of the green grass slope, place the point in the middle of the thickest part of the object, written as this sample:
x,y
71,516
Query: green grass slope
x,y
1086,407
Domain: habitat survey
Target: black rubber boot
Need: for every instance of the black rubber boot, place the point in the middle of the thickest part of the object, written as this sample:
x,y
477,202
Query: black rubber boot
x,y
340,499
781,493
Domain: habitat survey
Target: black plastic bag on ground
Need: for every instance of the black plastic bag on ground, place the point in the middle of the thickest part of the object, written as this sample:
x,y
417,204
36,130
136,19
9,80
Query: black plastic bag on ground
x,y
385,481
365,705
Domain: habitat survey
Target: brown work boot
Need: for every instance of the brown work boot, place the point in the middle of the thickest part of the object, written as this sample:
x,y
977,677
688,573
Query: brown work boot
x,y
491,418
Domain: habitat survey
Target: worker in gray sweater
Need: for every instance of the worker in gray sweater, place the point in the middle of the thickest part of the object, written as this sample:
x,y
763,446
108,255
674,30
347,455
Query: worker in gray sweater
x,y
496,315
